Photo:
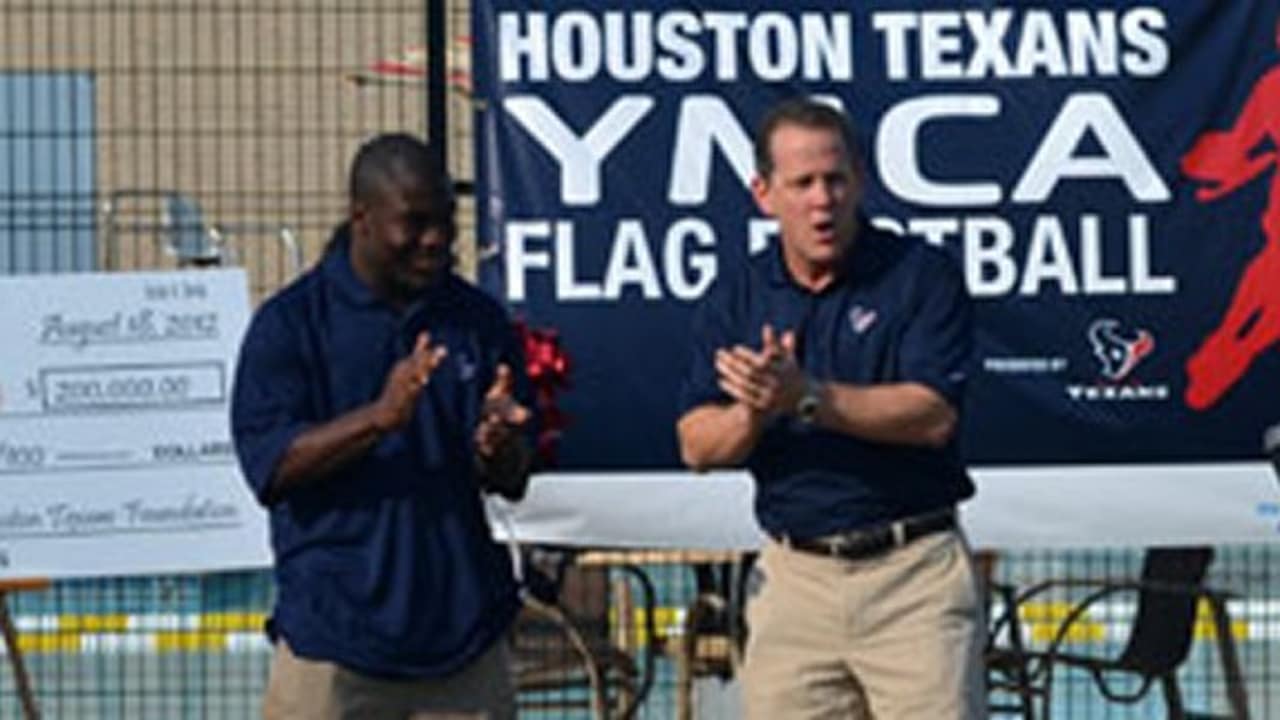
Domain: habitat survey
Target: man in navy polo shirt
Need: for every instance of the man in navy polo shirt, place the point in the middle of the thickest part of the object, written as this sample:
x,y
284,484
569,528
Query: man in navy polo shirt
x,y
373,403
832,365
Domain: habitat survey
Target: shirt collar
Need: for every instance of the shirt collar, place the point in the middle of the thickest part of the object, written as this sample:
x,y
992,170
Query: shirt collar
x,y
338,270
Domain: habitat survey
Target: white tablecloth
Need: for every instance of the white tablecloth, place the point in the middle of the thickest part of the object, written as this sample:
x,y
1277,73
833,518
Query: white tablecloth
x,y
1072,506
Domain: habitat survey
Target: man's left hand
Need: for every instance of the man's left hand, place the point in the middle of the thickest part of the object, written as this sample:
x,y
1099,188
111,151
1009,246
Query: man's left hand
x,y
501,451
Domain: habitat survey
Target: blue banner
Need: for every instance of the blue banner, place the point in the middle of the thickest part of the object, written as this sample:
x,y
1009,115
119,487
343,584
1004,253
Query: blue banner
x,y
1103,173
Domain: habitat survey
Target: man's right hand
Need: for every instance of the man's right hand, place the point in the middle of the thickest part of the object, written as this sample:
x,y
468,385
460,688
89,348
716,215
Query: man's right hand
x,y
769,381
324,448
759,383
394,407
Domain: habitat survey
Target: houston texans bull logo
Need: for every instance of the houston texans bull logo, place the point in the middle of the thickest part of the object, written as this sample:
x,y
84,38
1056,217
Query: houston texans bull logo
x,y
1118,354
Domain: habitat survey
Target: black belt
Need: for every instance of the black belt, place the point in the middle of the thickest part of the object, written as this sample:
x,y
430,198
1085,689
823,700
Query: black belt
x,y
865,542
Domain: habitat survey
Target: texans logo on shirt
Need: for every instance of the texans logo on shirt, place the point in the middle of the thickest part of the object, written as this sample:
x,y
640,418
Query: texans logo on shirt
x,y
466,368
861,319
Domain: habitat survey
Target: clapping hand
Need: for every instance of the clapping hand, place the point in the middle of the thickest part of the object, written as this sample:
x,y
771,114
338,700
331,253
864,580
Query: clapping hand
x,y
768,380
501,416
405,383
502,455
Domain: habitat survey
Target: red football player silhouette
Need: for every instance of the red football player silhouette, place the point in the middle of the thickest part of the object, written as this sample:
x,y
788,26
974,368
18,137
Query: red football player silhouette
x,y
1225,161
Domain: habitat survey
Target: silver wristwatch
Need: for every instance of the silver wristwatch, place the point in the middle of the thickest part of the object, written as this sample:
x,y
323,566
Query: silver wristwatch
x,y
807,406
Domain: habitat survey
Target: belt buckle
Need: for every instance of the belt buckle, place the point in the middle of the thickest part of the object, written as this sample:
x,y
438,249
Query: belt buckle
x,y
854,544
839,546
898,531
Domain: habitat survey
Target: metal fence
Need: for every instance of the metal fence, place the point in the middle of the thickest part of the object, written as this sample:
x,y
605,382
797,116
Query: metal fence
x,y
140,134
192,646
136,133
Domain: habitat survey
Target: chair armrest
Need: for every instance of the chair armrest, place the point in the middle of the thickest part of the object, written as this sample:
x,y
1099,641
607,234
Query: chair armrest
x,y
1103,590
1013,600
580,647
649,668
1124,583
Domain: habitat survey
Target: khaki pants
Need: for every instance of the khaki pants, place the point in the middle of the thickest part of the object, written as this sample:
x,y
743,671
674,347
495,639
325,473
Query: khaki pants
x,y
302,689
898,636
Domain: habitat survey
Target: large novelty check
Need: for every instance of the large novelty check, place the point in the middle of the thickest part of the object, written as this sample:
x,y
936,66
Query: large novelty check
x,y
115,451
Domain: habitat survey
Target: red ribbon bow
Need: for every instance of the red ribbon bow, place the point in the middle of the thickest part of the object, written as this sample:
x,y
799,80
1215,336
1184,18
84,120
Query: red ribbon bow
x,y
547,366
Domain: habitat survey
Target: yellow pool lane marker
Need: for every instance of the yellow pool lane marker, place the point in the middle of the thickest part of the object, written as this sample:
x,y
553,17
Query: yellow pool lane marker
x,y
242,632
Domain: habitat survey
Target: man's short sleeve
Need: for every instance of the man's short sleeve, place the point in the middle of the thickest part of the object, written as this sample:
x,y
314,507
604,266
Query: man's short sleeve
x,y
269,400
937,346
710,330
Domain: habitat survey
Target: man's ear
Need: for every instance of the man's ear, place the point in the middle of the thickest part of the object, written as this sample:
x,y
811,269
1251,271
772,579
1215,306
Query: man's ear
x,y
760,192
359,216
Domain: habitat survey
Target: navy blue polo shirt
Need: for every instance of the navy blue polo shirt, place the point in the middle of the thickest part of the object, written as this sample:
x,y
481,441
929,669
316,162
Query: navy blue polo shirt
x,y
898,313
387,567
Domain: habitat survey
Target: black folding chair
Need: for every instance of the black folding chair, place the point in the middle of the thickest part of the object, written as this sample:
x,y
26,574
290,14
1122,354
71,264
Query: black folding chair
x,y
1168,593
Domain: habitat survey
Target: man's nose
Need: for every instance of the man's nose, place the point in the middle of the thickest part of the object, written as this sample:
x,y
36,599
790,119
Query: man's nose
x,y
432,236
822,194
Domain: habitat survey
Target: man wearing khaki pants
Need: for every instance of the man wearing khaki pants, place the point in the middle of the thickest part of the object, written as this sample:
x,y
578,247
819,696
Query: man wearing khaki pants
x,y
375,400
832,365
